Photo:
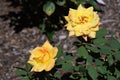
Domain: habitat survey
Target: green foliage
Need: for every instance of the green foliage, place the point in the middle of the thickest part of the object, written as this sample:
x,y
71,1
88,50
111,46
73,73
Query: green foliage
x,y
106,54
49,8
117,55
60,51
25,78
102,70
21,72
82,52
101,33
57,74
92,72
61,2
24,72
95,60
94,4
66,66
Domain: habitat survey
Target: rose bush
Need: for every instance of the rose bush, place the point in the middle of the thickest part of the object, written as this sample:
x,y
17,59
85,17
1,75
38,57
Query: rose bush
x,y
82,22
43,58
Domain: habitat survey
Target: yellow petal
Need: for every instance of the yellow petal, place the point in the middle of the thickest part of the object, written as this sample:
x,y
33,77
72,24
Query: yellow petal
x,y
71,11
69,27
46,57
95,29
47,45
36,52
86,32
92,34
77,33
55,50
38,68
32,62
66,17
50,64
71,33
90,10
81,8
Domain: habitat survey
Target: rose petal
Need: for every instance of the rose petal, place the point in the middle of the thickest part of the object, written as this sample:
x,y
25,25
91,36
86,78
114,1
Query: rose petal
x,y
50,64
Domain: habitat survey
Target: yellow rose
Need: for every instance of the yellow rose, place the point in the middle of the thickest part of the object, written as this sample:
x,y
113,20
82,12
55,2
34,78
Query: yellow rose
x,y
43,58
82,22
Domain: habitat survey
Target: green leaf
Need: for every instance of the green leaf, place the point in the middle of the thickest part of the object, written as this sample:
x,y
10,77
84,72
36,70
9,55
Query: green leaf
x,y
57,74
93,49
83,78
99,41
99,62
105,49
60,2
92,72
42,27
82,52
60,61
68,58
101,33
49,8
117,55
110,60
102,69
25,78
117,73
114,43
81,1
109,77
67,66
50,35
21,72
60,51
74,77
28,67
89,59
94,4
77,68
82,69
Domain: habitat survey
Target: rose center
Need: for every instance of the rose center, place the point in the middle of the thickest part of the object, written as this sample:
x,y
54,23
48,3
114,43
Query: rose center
x,y
83,19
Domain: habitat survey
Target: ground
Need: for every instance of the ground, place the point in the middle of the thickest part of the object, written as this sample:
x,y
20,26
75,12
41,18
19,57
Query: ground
x,y
14,47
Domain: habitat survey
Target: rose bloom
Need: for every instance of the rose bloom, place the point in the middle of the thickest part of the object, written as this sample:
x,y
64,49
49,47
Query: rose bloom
x,y
43,58
82,22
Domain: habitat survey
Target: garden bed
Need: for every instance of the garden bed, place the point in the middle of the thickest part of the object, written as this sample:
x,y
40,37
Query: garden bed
x,y
14,46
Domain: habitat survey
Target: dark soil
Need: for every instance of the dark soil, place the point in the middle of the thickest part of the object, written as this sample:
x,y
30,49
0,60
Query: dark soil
x,y
14,46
